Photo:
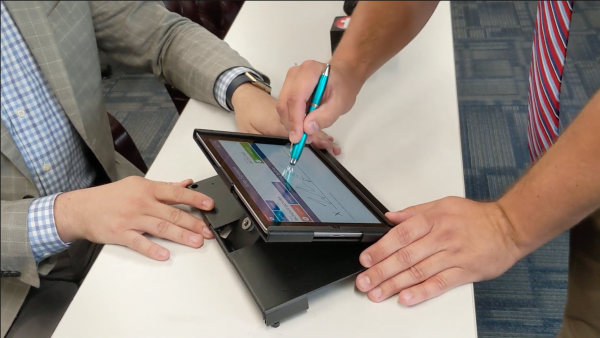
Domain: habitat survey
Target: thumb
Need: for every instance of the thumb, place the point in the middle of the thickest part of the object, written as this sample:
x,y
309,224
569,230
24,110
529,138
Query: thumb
x,y
322,117
408,213
183,183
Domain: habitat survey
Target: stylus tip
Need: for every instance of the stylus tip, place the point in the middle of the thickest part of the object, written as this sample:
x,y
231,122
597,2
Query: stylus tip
x,y
293,161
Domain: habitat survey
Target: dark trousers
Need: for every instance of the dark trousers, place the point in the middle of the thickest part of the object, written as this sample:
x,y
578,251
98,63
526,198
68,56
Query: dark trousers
x,y
44,307
582,312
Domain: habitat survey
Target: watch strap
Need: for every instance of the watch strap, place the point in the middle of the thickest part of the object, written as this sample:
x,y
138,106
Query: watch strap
x,y
238,81
246,77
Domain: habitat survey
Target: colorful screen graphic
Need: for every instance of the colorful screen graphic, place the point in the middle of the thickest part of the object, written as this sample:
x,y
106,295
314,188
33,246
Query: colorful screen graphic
x,y
311,192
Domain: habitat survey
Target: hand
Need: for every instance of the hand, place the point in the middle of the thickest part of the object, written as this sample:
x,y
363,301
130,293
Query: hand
x,y
255,114
437,246
300,82
120,212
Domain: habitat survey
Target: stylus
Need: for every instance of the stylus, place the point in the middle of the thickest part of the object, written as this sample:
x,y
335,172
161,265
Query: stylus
x,y
316,101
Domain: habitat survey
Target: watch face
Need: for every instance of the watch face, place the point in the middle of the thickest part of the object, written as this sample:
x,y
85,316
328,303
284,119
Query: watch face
x,y
262,86
265,79
258,83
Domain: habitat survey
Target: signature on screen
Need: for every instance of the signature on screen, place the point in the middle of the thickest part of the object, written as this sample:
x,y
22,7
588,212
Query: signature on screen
x,y
300,181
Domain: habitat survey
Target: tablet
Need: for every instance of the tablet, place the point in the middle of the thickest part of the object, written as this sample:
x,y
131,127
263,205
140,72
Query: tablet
x,y
315,200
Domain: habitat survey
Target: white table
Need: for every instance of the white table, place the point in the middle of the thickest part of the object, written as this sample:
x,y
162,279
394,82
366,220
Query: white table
x,y
401,141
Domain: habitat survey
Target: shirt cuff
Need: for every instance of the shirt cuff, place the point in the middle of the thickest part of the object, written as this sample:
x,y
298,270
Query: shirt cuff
x,y
225,79
41,228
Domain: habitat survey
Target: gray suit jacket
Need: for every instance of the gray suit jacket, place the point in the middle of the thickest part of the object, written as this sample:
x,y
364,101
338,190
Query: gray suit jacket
x,y
64,38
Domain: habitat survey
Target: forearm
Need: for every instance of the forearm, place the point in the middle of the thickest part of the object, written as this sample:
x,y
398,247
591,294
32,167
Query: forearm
x,y
378,31
562,188
145,35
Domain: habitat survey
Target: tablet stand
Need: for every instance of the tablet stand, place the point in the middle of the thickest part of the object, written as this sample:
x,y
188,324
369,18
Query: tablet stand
x,y
279,276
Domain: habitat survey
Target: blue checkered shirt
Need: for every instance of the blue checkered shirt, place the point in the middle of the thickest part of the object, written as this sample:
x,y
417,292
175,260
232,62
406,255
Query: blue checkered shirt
x,y
51,147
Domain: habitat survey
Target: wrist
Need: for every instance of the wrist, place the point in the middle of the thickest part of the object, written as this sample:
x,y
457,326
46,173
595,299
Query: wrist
x,y
244,95
505,228
247,76
354,72
522,239
64,218
351,73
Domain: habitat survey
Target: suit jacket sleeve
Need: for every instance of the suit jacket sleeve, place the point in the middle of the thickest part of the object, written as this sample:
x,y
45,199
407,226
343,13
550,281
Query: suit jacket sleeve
x,y
145,35
16,249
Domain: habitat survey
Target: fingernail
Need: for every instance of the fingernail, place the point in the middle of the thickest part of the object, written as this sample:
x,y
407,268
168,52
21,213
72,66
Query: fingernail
x,y
292,134
207,203
364,282
162,253
393,214
206,231
407,295
195,239
376,293
365,259
314,126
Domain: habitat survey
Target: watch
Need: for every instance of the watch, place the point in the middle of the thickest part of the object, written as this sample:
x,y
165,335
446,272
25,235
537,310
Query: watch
x,y
245,78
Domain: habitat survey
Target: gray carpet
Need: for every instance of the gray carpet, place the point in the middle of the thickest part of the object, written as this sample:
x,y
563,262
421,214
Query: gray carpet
x,y
492,42
142,105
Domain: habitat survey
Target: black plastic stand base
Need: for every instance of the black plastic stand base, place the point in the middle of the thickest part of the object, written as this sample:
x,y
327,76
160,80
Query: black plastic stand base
x,y
279,276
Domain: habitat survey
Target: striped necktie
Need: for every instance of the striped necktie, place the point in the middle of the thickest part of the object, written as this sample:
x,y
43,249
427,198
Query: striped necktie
x,y
545,74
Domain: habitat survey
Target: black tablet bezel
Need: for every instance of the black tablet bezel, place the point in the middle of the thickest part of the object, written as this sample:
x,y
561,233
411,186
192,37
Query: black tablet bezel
x,y
203,137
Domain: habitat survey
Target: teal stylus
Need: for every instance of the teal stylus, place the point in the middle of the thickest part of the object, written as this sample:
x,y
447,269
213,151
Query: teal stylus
x,y
316,101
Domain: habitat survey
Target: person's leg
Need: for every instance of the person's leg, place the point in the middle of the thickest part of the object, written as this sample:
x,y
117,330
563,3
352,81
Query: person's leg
x,y
74,263
43,309
581,317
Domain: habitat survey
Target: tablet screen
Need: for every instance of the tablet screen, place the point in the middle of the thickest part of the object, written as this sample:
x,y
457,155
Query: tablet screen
x,y
311,192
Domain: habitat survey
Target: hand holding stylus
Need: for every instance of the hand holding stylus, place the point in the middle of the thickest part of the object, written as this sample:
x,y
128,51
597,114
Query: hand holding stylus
x,y
317,95
338,98
255,114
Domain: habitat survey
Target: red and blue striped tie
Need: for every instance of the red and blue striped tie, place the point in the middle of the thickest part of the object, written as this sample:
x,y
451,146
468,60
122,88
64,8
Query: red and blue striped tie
x,y
545,75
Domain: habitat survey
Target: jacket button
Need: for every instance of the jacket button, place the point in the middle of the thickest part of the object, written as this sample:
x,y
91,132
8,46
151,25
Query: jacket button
x,y
27,196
